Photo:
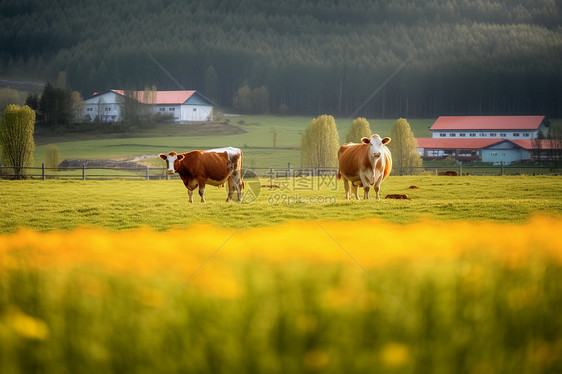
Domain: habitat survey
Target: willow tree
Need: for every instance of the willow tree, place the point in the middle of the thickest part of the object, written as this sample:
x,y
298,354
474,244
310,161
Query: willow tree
x,y
16,138
359,129
405,157
320,143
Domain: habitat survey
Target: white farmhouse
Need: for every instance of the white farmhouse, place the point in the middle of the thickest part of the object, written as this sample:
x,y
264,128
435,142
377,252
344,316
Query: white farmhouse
x,y
179,106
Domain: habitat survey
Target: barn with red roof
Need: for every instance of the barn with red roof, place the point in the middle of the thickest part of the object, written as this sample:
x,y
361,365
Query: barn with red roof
x,y
174,106
495,139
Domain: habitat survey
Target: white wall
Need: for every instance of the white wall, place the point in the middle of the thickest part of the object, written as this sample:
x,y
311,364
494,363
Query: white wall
x,y
507,156
196,113
106,107
511,134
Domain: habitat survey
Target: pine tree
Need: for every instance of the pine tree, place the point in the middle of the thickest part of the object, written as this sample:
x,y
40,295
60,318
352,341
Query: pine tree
x,y
211,83
405,157
359,129
320,143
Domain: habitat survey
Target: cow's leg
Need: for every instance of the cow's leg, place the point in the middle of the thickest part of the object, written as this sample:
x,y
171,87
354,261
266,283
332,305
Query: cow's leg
x,y
230,189
190,193
202,191
366,187
236,175
346,187
377,187
354,188
366,192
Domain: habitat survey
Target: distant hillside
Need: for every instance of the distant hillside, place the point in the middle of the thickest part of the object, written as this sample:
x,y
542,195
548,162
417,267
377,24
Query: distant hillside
x,y
464,57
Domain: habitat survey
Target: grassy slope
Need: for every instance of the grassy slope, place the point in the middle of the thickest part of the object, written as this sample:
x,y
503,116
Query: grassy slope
x,y
49,205
256,143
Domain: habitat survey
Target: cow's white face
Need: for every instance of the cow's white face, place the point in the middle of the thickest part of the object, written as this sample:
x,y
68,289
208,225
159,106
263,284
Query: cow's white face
x,y
376,145
170,159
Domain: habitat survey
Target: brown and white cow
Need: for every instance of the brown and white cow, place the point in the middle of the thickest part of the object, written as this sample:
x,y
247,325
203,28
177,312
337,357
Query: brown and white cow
x,y
365,164
214,167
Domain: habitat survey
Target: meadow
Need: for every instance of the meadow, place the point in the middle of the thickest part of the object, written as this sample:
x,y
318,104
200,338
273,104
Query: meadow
x,y
256,140
121,276
161,205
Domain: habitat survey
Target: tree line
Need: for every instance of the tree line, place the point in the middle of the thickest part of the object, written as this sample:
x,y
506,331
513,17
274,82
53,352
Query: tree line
x,y
312,56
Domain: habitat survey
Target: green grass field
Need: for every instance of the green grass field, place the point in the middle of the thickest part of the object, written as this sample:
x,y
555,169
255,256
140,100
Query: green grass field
x,y
256,142
118,205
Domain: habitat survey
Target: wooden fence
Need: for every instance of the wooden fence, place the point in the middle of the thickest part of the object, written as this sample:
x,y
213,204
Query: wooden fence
x,y
148,173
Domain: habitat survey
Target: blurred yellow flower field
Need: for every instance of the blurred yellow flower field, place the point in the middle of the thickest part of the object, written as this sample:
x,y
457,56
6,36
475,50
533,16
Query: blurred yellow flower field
x,y
373,243
312,296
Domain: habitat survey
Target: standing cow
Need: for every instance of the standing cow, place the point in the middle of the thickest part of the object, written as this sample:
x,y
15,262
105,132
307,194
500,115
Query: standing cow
x,y
365,164
214,167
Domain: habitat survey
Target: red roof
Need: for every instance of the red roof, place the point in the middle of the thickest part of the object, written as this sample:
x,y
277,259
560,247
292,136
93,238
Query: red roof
x,y
479,143
531,143
162,97
487,123
436,143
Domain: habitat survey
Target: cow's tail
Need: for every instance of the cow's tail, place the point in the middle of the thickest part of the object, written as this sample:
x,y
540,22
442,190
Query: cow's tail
x,y
242,186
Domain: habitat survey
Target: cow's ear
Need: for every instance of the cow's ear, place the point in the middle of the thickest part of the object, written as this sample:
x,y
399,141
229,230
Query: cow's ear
x,y
181,157
386,140
162,156
366,140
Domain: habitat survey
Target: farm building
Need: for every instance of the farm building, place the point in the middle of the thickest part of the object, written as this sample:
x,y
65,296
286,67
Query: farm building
x,y
503,127
496,139
176,106
495,151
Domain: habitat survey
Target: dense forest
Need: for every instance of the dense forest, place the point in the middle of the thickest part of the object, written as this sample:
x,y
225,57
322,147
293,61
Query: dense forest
x,y
375,58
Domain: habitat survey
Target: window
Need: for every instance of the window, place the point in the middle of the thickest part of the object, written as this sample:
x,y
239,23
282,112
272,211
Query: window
x,y
526,134
443,134
452,135
473,134
171,109
482,134
108,109
503,134
90,109
462,134
493,134
516,134
195,109
161,109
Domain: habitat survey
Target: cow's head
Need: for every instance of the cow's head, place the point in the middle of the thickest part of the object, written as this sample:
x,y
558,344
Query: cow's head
x,y
376,145
171,159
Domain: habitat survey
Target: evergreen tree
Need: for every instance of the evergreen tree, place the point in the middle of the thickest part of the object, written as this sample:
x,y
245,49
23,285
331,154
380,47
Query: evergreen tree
x,y
405,157
32,101
211,83
16,138
320,143
359,129
55,106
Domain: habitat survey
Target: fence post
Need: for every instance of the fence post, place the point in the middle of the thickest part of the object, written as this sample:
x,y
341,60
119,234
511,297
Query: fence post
x,y
501,168
460,168
147,173
289,168
43,170
83,172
